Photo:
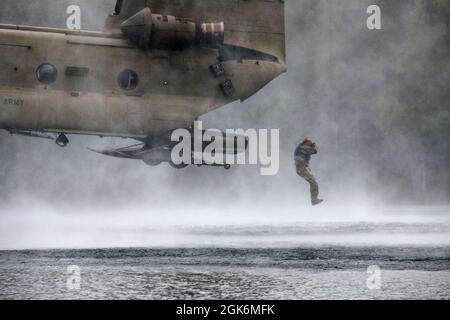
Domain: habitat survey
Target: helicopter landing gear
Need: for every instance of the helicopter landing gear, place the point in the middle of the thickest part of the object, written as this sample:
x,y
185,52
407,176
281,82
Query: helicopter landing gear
x,y
62,141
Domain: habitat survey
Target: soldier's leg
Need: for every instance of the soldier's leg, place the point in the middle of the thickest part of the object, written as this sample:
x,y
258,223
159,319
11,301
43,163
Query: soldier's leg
x,y
314,186
300,166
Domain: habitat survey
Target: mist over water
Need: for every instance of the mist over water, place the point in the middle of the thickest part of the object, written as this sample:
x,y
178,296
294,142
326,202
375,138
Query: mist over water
x,y
208,227
337,70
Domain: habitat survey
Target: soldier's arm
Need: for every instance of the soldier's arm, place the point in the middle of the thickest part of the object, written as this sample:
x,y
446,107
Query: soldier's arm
x,y
310,150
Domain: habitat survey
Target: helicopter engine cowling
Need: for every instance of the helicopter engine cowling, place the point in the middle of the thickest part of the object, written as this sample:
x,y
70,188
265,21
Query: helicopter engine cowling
x,y
148,30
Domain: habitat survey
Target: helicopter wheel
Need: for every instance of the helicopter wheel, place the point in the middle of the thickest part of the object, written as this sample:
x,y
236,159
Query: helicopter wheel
x,y
178,166
62,140
152,163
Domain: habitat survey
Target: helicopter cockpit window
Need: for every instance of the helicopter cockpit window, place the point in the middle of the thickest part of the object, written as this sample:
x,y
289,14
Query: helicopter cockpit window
x,y
47,73
128,80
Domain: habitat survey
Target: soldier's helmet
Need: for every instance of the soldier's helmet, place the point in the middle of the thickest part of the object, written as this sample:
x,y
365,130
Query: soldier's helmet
x,y
307,142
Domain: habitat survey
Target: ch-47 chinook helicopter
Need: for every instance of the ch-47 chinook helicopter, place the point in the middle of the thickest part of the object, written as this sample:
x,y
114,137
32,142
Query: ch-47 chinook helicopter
x,y
157,66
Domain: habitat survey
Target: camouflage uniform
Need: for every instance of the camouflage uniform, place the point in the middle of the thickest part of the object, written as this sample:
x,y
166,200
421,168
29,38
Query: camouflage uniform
x,y
302,157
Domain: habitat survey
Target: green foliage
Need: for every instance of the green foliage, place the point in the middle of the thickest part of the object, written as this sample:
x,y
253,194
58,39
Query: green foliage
x,y
418,105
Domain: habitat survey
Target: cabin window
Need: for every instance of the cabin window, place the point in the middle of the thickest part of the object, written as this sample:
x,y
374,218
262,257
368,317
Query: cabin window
x,y
47,73
128,80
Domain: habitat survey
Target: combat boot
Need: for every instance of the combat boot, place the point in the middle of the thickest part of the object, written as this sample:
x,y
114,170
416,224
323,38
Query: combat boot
x,y
315,202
